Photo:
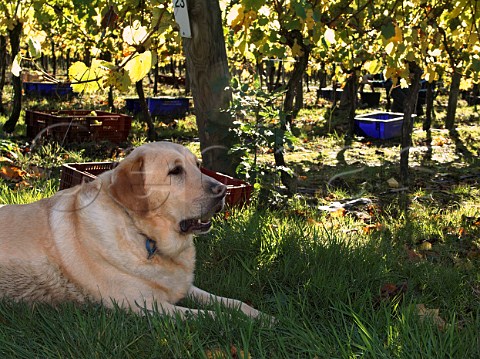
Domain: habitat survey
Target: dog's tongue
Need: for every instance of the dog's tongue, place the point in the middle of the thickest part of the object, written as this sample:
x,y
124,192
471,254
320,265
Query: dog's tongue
x,y
195,226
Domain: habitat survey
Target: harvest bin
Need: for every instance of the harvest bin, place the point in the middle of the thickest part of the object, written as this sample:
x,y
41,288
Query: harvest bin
x,y
77,173
382,125
327,93
164,106
78,125
47,89
238,191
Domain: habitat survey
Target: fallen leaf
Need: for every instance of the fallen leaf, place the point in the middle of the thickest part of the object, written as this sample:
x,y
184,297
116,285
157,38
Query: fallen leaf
x,y
313,221
218,353
226,215
11,173
22,184
423,312
412,255
388,289
372,227
425,246
373,210
440,141
300,213
393,183
338,213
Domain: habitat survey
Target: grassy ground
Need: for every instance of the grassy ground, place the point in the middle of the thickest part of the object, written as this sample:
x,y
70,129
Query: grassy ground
x,y
359,282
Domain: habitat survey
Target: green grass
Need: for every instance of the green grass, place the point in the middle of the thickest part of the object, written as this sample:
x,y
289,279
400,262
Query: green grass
x,y
342,285
321,284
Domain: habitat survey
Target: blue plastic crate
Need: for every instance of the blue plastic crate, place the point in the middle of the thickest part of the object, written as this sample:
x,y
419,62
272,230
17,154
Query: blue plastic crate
x,y
164,106
132,105
47,89
381,125
172,107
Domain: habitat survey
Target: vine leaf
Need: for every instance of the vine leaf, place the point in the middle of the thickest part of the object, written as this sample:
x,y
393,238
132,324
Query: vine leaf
x,y
330,36
16,67
134,34
139,66
87,79
388,30
35,48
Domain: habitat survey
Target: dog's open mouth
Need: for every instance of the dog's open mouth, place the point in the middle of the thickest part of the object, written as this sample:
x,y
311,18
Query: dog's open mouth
x,y
202,224
196,226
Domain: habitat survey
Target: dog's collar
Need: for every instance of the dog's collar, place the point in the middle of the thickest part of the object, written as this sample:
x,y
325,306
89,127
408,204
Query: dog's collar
x,y
151,247
150,244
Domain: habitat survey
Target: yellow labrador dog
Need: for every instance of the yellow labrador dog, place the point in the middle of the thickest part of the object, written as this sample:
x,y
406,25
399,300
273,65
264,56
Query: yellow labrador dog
x,y
124,238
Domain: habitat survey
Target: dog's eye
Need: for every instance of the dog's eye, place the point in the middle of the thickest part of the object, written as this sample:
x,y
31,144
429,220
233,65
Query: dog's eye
x,y
175,171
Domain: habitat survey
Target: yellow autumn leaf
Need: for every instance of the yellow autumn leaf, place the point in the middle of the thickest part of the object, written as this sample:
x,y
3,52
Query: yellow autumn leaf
x,y
87,79
235,16
434,314
466,84
338,213
34,47
76,70
310,23
390,48
289,66
296,49
455,12
398,37
435,53
139,66
373,66
134,34
473,40
16,67
330,36
393,183
425,246
390,72
120,79
403,83
252,14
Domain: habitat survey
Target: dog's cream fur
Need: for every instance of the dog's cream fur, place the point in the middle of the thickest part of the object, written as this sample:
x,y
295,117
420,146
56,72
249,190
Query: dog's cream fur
x,y
88,243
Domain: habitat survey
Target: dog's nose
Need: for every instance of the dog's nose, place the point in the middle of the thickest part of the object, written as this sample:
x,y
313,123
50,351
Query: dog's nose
x,y
218,189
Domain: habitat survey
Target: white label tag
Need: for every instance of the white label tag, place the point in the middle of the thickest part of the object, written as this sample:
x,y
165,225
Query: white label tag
x,y
180,11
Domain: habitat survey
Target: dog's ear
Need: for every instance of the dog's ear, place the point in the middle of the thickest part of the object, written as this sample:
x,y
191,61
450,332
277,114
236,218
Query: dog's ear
x,y
128,185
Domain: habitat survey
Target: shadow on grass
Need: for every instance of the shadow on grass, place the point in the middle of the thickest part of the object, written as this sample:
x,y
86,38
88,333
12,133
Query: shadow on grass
x,y
324,286
460,147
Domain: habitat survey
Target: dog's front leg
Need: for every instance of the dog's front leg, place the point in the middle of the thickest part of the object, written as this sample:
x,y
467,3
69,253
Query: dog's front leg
x,y
209,298
168,309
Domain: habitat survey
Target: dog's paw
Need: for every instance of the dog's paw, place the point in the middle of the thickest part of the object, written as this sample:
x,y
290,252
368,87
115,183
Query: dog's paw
x,y
267,320
256,314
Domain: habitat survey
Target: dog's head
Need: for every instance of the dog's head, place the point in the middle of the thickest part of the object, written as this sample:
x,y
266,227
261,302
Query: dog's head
x,y
163,181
